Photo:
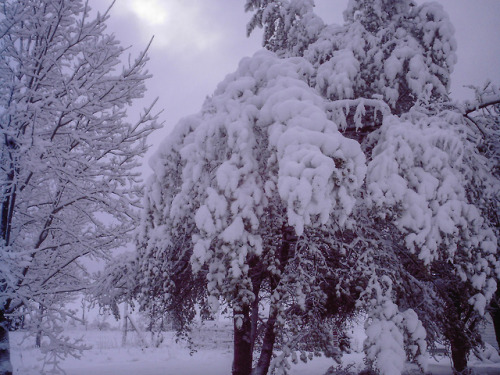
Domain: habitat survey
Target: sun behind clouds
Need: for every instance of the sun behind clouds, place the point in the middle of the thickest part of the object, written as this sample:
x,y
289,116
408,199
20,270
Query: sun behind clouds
x,y
176,24
152,11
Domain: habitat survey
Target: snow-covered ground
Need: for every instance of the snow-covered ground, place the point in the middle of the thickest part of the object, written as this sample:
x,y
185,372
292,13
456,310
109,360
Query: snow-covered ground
x,y
213,356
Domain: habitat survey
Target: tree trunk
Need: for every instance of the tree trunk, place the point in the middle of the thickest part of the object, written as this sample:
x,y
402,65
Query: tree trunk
x,y
38,337
495,314
256,276
266,353
139,333
459,354
5,364
242,357
7,211
84,322
9,198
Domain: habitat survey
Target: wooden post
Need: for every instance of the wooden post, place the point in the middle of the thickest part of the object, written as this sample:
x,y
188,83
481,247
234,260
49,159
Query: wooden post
x,y
128,318
125,324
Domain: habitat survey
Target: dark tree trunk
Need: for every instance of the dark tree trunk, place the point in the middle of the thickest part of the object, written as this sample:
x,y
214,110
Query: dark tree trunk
x,y
266,353
242,357
254,317
6,214
5,364
459,354
284,255
495,314
8,205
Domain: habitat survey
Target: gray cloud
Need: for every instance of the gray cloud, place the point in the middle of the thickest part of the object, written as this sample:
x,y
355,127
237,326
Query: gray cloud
x,y
198,42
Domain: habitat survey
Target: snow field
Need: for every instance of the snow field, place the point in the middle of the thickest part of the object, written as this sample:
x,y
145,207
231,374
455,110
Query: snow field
x,y
213,356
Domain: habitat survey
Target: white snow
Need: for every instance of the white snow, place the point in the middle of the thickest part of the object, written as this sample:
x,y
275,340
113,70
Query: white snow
x,y
417,166
234,231
213,342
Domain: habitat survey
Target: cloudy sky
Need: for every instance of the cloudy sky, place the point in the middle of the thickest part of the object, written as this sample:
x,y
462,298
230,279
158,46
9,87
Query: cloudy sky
x,y
197,42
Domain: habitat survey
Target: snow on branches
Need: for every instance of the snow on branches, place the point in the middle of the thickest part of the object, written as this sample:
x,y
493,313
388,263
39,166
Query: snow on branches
x,y
263,133
289,25
418,177
398,51
261,196
392,336
235,186
402,52
68,154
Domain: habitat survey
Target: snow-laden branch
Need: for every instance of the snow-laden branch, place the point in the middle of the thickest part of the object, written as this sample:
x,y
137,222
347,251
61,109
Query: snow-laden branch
x,y
488,97
485,101
340,111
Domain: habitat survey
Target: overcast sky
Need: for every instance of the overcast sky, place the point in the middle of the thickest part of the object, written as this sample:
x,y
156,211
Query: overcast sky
x,y
198,42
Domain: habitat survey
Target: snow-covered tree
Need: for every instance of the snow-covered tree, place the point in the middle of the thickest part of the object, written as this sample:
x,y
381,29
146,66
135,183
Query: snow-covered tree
x,y
445,179
389,57
245,196
116,284
68,184
250,205
483,116
261,199
422,170
394,50
289,25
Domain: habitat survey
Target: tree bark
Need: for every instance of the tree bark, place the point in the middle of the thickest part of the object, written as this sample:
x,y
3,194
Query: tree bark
x,y
9,195
459,354
6,214
84,322
38,337
495,315
242,357
266,353
254,319
256,277
139,333
5,227
5,364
